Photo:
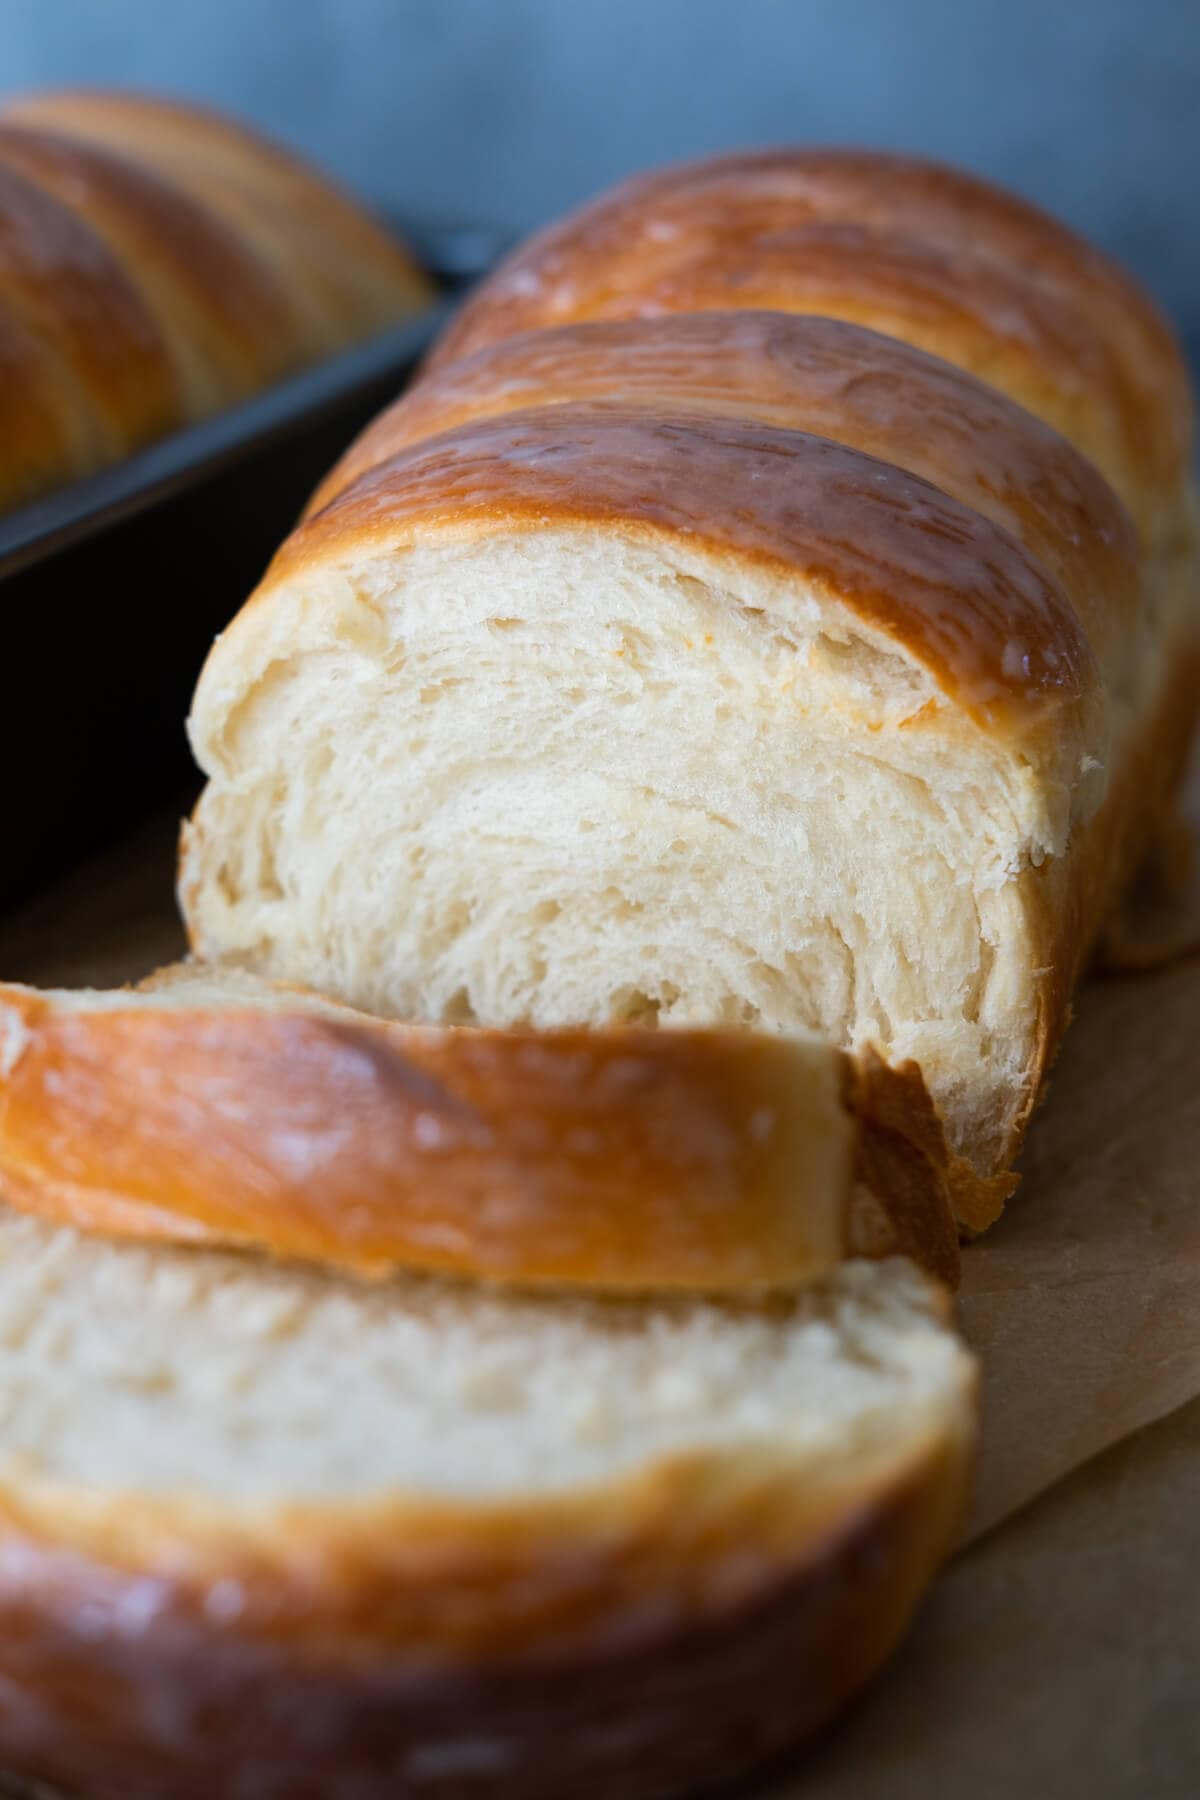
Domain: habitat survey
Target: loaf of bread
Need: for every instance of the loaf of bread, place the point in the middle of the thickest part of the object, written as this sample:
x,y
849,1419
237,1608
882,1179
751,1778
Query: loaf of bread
x,y
668,657
214,1107
157,264
267,1532
756,670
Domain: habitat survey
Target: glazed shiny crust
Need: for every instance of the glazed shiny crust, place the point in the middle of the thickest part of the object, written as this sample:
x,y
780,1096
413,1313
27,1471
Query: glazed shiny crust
x,y
611,1159
158,264
923,253
671,1630
822,376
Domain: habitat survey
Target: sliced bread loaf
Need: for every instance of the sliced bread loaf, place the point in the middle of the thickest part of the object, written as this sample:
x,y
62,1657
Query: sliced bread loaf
x,y
692,663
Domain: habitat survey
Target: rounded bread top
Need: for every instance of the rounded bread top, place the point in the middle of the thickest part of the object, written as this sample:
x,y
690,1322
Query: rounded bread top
x,y
928,254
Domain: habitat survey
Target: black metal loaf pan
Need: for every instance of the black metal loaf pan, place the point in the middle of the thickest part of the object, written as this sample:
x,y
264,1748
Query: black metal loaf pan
x,y
111,590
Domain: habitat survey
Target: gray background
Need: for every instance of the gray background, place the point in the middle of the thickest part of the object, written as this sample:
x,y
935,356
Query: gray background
x,y
509,110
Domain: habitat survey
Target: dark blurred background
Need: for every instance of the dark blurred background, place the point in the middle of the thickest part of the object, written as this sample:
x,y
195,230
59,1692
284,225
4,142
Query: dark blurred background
x,y
510,110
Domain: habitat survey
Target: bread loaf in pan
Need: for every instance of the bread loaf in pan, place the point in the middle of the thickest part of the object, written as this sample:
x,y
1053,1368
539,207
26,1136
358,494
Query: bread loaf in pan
x,y
268,1532
214,1107
159,263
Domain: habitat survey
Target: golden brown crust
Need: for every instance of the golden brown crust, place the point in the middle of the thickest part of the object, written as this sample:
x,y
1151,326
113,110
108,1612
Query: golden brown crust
x,y
822,376
132,302
901,1141
924,253
623,1158
955,592
687,1625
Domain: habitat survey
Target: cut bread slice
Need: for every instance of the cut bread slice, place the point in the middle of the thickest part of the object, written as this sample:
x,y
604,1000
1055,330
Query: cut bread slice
x,y
215,1106
264,1531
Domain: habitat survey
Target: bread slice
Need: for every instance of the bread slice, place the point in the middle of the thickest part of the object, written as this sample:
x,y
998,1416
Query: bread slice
x,y
266,1531
213,1106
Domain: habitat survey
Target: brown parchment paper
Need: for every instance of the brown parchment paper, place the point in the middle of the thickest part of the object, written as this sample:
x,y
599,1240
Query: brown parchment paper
x,y
1056,1659
1084,1301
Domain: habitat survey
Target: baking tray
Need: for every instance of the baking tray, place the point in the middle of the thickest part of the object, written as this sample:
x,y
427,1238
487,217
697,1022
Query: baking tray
x,y
112,589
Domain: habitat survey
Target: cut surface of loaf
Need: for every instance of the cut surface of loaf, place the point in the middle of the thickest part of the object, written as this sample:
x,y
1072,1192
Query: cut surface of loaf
x,y
587,713
382,1535
159,263
928,254
211,1106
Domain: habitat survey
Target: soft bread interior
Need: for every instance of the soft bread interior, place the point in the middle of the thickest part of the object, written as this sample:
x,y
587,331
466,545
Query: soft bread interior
x,y
569,777
225,1379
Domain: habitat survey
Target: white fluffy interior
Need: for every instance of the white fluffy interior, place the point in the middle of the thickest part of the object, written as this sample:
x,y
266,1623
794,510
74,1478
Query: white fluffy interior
x,y
165,1371
562,778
